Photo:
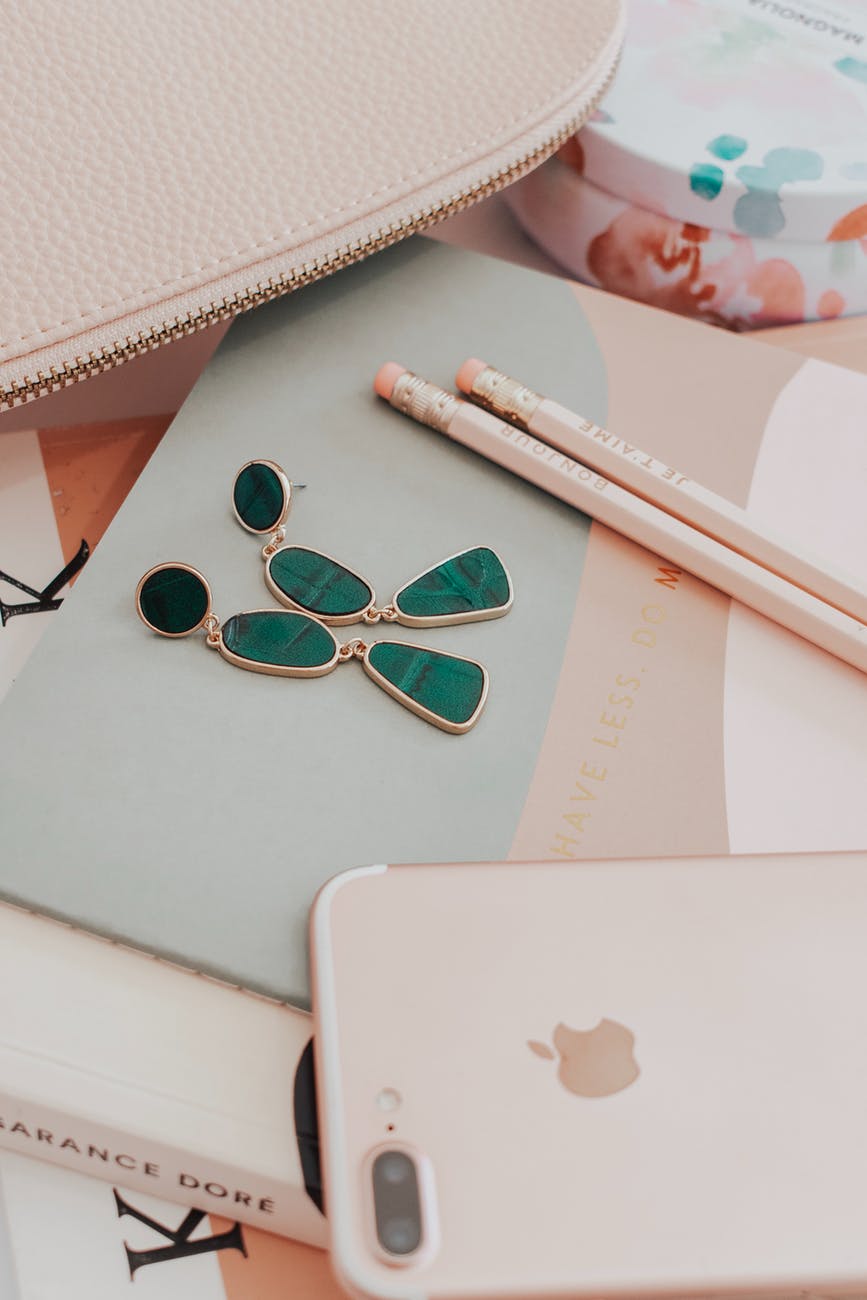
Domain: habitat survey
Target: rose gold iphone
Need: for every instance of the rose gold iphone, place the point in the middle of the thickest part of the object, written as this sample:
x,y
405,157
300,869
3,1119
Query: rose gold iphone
x,y
595,1079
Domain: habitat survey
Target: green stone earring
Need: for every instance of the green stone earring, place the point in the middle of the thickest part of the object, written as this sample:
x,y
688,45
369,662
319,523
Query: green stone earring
x,y
446,690
473,584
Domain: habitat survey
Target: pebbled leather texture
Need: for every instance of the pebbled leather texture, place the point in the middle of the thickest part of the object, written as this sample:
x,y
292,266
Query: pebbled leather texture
x,y
163,156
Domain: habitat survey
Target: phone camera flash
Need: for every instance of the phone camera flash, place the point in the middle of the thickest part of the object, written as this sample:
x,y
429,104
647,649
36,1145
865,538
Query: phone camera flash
x,y
389,1099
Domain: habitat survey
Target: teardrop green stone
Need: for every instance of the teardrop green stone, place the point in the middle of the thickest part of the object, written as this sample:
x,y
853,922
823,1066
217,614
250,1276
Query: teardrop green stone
x,y
319,584
259,497
279,638
473,582
449,686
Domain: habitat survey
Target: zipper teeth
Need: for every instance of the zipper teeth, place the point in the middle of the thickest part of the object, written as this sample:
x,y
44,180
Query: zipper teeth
x,y
115,354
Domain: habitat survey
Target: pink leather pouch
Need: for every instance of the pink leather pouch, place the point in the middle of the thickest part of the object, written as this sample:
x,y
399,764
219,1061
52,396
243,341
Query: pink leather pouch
x,y
172,164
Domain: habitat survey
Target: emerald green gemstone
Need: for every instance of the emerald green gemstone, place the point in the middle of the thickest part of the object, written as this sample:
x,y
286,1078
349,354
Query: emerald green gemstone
x,y
279,638
319,584
259,497
447,685
474,582
174,600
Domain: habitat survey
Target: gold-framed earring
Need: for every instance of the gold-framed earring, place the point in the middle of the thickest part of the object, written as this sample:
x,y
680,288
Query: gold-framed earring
x,y
449,691
468,586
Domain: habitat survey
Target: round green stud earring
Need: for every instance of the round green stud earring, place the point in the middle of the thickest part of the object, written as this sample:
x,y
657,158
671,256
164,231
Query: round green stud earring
x,y
261,496
173,599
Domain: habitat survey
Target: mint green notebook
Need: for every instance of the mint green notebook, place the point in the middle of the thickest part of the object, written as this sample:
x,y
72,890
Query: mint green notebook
x,y
152,792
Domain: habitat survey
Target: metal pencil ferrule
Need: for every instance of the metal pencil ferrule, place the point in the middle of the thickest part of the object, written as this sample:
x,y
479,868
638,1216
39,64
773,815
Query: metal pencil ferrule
x,y
505,397
425,402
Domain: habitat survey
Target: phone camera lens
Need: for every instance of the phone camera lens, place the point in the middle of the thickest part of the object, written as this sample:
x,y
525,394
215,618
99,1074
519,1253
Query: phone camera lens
x,y
400,1236
395,1168
396,1203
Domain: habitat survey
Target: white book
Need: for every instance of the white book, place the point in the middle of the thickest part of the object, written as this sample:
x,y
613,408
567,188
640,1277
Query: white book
x,y
119,1065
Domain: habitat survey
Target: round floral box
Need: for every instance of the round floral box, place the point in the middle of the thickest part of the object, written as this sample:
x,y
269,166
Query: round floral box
x,y
725,174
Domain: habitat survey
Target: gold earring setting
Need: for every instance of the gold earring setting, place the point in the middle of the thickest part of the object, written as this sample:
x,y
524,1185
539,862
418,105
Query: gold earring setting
x,y
470,585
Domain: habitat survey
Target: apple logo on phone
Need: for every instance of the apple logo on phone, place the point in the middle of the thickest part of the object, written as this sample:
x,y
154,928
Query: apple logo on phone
x,y
593,1062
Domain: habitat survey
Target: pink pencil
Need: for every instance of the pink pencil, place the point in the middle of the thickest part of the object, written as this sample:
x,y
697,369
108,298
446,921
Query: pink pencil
x,y
633,516
630,467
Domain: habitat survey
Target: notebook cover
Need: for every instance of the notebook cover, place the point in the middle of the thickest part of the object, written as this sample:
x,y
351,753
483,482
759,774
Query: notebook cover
x,y
843,340
151,792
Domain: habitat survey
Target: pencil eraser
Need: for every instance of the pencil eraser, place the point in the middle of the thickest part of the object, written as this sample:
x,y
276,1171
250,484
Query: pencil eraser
x,y
386,378
468,373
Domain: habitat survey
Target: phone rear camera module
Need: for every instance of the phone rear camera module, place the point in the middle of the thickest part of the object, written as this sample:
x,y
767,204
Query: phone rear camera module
x,y
397,1203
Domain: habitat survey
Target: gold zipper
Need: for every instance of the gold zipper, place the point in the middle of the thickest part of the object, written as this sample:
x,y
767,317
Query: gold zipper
x,y
115,354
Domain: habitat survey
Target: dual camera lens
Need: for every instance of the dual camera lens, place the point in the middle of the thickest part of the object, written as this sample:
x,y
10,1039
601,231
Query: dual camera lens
x,y
397,1203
